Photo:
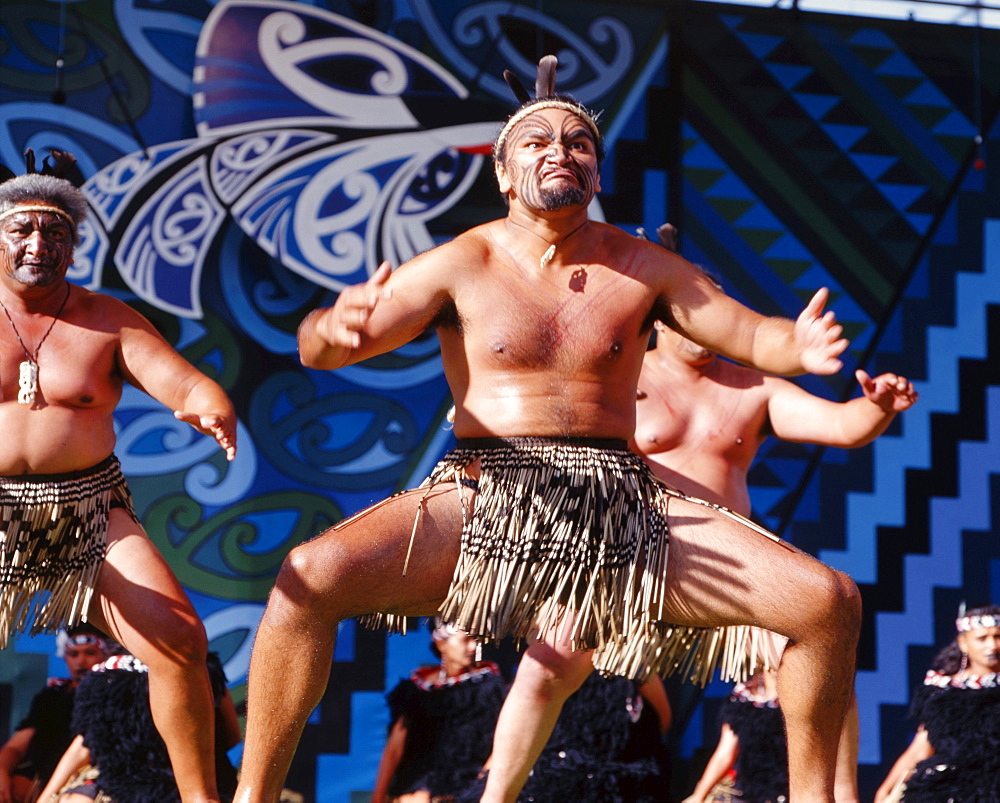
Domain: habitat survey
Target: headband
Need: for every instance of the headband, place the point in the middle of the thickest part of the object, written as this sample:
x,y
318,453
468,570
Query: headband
x,y
64,640
554,103
966,623
55,210
443,630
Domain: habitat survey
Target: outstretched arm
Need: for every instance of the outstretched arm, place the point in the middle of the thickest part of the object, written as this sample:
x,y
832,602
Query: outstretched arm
x,y
796,415
812,343
73,760
391,756
719,764
150,363
703,313
919,749
328,336
384,313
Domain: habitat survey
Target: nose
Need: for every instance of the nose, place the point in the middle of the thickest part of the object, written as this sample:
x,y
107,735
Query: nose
x,y
557,152
36,242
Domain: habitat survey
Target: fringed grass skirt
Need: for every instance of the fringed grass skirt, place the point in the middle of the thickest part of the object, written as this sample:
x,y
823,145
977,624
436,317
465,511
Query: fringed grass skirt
x,y
581,523
53,536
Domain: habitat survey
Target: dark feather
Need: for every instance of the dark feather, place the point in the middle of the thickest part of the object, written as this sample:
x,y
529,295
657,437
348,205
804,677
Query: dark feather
x,y
516,87
58,163
545,83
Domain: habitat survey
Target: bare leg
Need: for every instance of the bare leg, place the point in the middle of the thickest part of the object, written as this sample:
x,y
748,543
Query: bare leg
x,y
351,569
549,672
721,573
846,783
140,603
846,787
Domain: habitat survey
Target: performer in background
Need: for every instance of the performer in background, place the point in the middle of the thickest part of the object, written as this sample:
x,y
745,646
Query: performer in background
x,y
607,746
117,755
30,755
701,419
71,547
542,523
955,754
750,762
442,720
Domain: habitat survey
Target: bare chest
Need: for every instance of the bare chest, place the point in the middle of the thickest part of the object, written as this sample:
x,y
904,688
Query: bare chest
x,y
571,321
724,422
73,367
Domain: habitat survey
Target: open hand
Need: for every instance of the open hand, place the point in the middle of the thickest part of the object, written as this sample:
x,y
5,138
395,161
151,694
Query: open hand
x,y
344,322
818,336
891,392
220,427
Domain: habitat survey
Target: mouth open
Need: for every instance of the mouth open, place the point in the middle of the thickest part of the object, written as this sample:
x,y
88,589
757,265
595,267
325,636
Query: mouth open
x,y
558,173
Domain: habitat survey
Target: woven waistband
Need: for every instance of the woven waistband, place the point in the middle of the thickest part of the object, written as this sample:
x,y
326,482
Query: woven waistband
x,y
607,444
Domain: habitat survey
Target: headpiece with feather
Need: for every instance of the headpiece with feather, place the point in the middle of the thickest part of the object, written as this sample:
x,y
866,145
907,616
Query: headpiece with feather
x,y
52,188
545,98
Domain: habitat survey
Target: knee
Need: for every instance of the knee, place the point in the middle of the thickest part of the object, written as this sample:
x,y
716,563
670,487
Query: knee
x,y
838,605
550,675
307,581
183,643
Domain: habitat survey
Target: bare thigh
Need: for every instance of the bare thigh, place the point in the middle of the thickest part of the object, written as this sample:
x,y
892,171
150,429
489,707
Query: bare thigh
x,y
376,561
139,601
721,572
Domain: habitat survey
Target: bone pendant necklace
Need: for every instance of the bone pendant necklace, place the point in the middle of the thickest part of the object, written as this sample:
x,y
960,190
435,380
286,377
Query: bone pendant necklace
x,y
28,378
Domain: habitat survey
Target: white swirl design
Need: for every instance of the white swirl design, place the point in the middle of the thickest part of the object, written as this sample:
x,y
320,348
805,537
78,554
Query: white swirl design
x,y
481,24
283,48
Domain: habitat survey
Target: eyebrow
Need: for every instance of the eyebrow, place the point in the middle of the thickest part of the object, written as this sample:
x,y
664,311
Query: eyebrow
x,y
535,129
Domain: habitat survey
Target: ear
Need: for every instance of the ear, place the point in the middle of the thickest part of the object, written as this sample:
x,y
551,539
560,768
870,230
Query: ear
x,y
503,180
597,183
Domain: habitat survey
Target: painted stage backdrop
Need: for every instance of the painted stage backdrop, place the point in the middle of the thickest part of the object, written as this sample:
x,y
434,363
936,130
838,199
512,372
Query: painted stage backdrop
x,y
247,159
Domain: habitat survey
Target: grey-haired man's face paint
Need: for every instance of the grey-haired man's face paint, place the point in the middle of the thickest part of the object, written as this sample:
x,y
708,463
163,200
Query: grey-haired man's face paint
x,y
36,248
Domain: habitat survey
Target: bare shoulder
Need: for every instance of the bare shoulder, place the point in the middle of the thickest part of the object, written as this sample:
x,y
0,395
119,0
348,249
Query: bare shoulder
x,y
105,310
648,261
444,262
141,348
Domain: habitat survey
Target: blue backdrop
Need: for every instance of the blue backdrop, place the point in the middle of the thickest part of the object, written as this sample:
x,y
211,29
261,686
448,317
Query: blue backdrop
x,y
246,159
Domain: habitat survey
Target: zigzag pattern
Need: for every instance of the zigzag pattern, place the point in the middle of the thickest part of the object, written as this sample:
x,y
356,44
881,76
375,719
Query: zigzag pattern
x,y
869,112
889,509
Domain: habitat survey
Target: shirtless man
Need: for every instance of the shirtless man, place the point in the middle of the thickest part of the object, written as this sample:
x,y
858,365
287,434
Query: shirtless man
x,y
700,421
71,547
543,319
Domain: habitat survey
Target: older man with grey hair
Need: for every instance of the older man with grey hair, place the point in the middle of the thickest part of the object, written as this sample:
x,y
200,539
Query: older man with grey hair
x,y
71,546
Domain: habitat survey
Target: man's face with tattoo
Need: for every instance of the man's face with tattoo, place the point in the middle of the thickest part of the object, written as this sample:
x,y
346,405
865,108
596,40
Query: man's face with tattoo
x,y
551,161
36,248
